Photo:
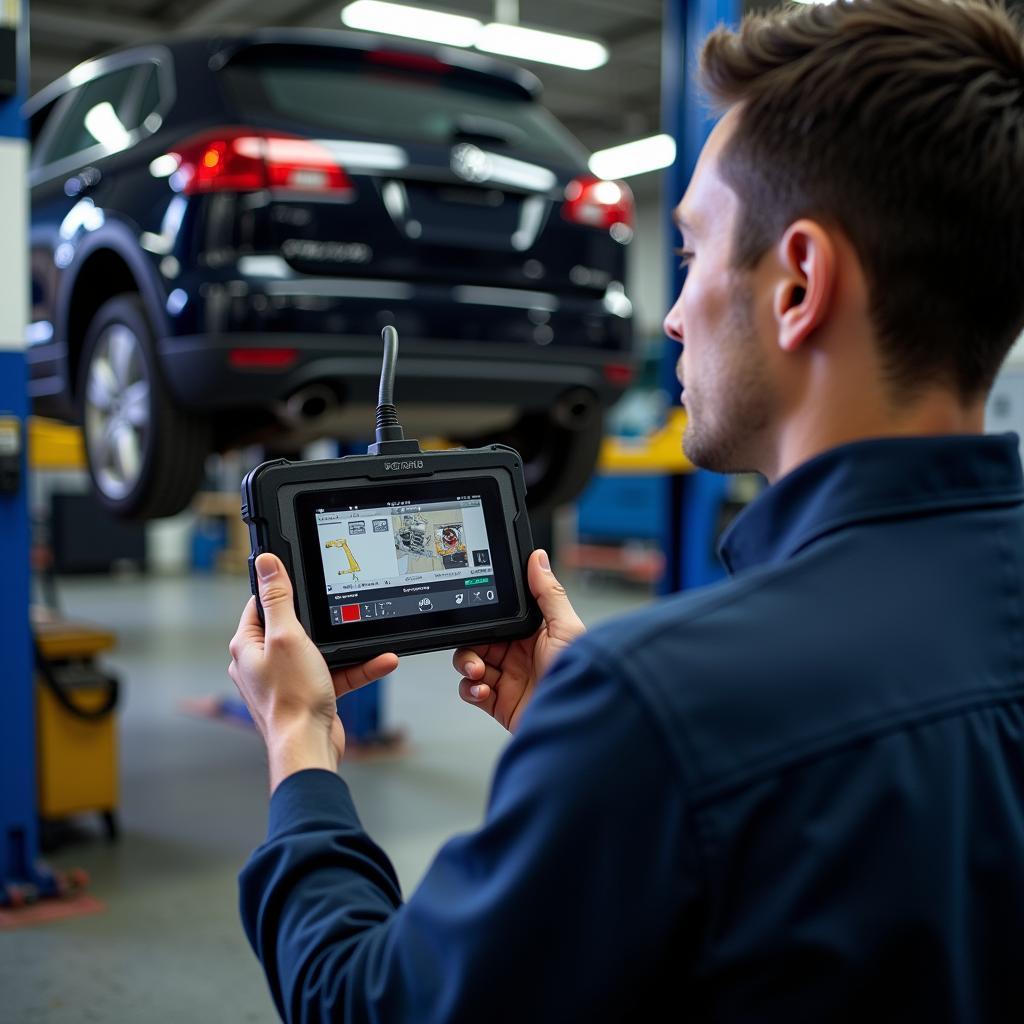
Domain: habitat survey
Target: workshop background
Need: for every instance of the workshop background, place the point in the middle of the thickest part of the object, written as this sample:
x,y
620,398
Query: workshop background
x,y
133,785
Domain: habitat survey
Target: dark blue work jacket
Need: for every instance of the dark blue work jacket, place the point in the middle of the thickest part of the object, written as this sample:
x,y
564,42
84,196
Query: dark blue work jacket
x,y
796,796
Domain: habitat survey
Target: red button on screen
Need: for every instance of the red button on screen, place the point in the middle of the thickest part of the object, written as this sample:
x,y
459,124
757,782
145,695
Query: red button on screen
x,y
350,613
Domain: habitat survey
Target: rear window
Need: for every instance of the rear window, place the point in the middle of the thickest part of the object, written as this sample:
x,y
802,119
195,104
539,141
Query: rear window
x,y
395,105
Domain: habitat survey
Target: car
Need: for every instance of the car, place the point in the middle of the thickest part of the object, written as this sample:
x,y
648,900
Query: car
x,y
221,227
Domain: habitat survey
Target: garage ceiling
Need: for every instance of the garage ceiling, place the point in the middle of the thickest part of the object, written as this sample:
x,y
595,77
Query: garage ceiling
x,y
613,104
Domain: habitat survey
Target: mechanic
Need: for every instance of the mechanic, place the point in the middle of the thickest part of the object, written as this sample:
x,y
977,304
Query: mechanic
x,y
797,795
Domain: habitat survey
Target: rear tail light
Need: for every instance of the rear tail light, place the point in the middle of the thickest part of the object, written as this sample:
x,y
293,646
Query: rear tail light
x,y
618,374
242,160
262,358
600,204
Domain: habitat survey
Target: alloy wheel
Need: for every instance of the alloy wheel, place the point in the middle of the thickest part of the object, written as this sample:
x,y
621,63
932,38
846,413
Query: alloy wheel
x,y
118,411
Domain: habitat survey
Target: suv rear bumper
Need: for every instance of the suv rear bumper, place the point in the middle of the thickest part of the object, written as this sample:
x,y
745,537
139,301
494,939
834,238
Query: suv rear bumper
x,y
209,373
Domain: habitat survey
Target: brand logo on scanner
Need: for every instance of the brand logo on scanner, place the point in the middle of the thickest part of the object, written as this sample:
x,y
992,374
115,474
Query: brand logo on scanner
x,y
404,464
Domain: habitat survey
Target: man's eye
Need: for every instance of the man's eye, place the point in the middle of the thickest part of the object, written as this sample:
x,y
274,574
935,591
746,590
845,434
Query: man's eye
x,y
685,257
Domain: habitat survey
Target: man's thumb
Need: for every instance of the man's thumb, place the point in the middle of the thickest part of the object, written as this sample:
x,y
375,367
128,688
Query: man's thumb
x,y
562,621
275,591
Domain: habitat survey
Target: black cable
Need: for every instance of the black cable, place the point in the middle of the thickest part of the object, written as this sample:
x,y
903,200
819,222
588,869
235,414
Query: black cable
x,y
386,394
63,697
389,430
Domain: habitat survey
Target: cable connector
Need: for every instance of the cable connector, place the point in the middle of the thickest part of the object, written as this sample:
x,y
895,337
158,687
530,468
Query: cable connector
x,y
390,436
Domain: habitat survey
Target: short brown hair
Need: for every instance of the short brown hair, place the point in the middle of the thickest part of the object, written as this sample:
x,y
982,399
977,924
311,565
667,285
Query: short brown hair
x,y
901,122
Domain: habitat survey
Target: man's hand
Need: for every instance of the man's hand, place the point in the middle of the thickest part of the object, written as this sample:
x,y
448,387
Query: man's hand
x,y
500,678
286,683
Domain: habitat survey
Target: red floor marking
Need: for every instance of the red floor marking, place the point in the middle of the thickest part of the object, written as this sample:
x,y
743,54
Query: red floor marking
x,y
50,910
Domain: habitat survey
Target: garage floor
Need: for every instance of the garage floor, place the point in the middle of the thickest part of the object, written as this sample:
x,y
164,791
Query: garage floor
x,y
169,949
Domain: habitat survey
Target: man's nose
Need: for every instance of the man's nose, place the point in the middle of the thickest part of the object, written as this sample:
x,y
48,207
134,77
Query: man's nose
x,y
673,324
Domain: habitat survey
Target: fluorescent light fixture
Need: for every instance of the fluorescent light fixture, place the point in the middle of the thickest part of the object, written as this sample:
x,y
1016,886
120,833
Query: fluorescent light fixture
x,y
545,47
413,22
634,157
459,30
105,126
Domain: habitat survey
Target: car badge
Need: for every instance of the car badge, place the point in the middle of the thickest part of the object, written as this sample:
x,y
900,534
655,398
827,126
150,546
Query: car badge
x,y
470,163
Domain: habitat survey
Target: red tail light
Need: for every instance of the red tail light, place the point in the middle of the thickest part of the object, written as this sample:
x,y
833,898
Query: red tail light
x,y
618,374
242,160
599,203
262,358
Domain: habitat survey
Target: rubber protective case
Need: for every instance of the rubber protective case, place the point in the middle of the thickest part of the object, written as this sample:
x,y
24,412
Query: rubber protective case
x,y
268,508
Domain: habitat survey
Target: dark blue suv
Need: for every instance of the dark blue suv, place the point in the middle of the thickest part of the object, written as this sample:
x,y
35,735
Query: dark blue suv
x,y
220,228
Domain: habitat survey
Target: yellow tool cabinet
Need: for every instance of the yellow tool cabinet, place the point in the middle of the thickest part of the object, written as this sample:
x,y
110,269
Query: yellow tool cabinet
x,y
76,723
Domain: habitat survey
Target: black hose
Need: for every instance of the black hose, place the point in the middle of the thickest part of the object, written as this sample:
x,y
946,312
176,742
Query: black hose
x,y
388,427
63,697
386,394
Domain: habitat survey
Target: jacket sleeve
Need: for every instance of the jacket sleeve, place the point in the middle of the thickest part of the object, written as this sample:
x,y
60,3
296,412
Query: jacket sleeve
x,y
559,907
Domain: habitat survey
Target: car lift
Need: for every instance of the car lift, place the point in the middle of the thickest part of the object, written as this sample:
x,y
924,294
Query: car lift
x,y
19,840
695,499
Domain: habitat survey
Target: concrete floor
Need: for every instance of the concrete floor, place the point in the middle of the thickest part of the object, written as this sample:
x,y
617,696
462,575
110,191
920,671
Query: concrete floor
x,y
169,949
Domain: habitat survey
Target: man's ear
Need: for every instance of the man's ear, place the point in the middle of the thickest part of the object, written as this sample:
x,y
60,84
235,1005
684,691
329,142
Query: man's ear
x,y
804,292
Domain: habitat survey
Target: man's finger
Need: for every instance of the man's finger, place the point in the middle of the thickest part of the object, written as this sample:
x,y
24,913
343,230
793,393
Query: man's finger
x,y
484,698
275,594
562,621
468,663
351,678
490,677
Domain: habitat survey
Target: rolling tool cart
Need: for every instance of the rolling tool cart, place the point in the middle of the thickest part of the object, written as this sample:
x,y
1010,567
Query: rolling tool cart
x,y
76,737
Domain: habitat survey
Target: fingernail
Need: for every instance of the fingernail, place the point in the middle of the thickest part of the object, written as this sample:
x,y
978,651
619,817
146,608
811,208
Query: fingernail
x,y
474,691
542,557
266,567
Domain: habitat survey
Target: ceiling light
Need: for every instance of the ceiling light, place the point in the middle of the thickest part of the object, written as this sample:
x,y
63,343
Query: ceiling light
x,y
634,157
545,47
413,22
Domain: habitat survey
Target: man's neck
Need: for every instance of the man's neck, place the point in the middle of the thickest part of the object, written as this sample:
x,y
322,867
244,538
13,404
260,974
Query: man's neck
x,y
935,412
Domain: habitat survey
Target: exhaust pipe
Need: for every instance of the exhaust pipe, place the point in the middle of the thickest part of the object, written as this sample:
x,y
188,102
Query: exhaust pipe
x,y
576,409
308,404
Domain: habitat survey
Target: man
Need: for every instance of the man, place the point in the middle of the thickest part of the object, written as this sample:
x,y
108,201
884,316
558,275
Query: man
x,y
799,795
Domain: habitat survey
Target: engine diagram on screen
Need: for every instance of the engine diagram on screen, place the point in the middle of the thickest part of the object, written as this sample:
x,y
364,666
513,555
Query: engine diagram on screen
x,y
411,535
426,542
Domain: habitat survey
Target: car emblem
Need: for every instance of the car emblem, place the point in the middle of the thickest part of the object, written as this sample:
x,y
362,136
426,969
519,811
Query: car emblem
x,y
470,163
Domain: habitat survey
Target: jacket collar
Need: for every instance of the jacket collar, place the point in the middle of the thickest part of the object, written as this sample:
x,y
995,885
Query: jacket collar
x,y
868,480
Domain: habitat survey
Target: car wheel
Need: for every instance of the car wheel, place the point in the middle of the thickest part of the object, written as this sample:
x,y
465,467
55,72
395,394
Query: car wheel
x,y
145,454
558,459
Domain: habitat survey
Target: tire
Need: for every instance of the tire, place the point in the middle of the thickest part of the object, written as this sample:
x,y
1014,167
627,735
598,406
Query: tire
x,y
558,460
145,454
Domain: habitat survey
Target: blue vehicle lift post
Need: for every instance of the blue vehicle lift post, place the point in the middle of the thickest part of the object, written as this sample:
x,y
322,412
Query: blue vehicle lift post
x,y
695,499
19,872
